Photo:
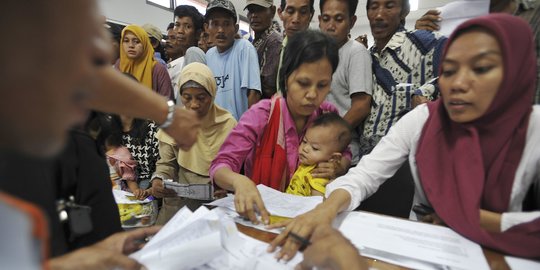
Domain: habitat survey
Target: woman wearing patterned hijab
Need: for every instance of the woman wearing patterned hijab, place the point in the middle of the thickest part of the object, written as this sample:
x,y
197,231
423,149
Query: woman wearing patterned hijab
x,y
137,59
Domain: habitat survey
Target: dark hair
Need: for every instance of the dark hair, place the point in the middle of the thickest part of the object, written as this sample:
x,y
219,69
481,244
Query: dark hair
x,y
193,13
306,47
340,127
351,6
160,49
170,26
405,8
138,131
311,4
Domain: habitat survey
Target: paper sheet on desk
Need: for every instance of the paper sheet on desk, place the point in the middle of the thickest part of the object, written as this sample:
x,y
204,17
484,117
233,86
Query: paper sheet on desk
x,y
276,202
206,239
456,12
190,240
411,244
521,263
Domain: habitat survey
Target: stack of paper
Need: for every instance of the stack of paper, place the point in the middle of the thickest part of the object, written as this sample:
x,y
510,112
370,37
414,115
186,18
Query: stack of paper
x,y
206,239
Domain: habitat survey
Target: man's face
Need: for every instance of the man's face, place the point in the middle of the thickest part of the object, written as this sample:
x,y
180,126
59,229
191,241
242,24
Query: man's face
x,y
384,18
172,47
221,29
185,32
39,107
296,16
335,21
260,18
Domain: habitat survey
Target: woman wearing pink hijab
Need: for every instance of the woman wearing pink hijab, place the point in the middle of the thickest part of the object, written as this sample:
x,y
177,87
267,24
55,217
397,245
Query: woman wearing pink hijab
x,y
474,153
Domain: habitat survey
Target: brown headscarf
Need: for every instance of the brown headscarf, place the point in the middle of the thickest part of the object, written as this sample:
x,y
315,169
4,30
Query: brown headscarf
x,y
467,167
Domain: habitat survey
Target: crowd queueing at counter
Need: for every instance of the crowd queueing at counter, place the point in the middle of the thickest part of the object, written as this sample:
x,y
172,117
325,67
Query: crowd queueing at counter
x,y
450,122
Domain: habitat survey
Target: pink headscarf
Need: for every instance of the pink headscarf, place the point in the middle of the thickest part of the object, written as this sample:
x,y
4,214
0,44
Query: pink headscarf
x,y
472,166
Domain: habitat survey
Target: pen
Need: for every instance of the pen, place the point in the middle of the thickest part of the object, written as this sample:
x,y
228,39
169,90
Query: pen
x,y
303,241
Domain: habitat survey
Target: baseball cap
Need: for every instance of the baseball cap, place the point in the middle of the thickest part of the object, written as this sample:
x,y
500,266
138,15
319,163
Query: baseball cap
x,y
262,3
152,31
221,4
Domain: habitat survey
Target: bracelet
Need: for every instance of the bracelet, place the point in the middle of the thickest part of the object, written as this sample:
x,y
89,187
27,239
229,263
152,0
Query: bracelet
x,y
170,115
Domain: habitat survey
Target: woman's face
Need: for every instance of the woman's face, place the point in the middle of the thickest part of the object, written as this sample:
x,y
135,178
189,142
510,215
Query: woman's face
x,y
132,45
197,100
308,86
472,72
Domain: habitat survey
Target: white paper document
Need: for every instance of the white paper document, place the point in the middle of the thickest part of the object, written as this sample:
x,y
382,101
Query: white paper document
x,y
457,12
276,202
516,263
411,244
206,239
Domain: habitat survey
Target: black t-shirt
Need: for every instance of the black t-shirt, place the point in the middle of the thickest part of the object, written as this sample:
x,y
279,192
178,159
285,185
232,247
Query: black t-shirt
x,y
79,171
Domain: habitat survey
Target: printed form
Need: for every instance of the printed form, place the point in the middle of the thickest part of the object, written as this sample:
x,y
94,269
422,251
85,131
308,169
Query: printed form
x,y
411,244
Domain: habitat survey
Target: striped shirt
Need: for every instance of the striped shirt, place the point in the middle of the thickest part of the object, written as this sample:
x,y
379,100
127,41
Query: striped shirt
x,y
406,66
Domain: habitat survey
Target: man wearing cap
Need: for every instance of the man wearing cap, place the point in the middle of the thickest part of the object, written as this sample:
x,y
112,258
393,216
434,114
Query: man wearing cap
x,y
155,36
233,61
295,15
267,42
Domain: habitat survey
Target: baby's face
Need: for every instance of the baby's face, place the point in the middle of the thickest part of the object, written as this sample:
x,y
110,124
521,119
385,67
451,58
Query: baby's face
x,y
318,145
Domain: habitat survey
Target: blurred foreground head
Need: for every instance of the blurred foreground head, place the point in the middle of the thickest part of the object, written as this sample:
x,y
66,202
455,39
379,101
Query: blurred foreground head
x,y
46,70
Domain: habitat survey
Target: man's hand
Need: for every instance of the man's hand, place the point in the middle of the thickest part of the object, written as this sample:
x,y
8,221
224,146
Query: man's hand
x,y
184,128
330,250
158,190
110,253
129,241
429,21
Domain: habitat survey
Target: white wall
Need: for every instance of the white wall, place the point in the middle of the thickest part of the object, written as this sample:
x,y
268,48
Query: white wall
x,y
136,12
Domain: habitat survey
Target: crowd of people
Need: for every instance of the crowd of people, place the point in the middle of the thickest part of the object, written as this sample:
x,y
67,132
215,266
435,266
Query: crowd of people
x,y
307,112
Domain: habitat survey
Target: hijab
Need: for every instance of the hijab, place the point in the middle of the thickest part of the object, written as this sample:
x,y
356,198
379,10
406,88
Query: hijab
x,y
471,166
215,125
142,67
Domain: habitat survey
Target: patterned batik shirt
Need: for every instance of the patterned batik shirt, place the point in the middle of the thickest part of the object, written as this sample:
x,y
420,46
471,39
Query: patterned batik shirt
x,y
143,150
407,66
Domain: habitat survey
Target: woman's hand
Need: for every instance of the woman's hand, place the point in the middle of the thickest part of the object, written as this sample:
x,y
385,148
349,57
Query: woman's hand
x,y
303,226
247,200
140,194
158,190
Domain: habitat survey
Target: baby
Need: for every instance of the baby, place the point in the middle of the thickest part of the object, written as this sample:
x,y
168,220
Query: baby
x,y
325,139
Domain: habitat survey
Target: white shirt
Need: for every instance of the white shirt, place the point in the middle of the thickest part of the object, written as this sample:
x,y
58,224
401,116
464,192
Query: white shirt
x,y
174,68
401,142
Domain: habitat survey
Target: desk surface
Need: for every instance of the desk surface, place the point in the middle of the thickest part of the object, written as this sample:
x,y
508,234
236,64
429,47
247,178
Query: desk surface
x,y
495,260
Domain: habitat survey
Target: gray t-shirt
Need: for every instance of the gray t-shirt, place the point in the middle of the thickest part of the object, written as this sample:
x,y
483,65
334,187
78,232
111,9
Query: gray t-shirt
x,y
353,75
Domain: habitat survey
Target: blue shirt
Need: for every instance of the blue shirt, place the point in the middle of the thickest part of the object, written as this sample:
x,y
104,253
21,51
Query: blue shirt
x,y
236,70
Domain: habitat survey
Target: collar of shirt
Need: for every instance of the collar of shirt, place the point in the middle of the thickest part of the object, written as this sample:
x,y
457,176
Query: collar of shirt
x,y
395,42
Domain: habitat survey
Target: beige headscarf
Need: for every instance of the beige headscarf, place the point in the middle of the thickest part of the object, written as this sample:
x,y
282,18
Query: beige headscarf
x,y
215,126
